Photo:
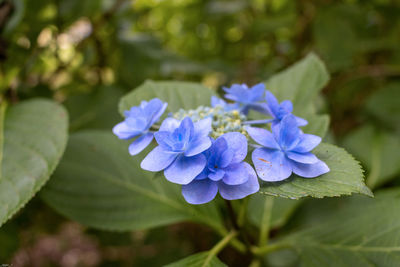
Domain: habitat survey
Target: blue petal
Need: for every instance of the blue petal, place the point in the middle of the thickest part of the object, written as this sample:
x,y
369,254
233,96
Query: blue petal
x,y
137,123
158,114
288,105
237,142
184,169
157,160
216,176
198,146
236,174
202,127
271,165
301,121
169,125
257,92
203,174
231,192
164,140
141,143
310,170
307,157
307,143
200,191
273,103
225,158
288,133
123,131
263,137
216,101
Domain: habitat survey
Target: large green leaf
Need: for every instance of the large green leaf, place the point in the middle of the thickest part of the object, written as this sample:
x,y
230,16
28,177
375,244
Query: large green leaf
x,y
363,233
99,184
178,95
300,83
377,150
35,134
317,124
345,177
202,259
3,106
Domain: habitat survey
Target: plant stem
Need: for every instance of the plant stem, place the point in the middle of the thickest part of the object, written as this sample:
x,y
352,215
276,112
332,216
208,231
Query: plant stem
x,y
219,246
242,212
267,249
232,215
266,221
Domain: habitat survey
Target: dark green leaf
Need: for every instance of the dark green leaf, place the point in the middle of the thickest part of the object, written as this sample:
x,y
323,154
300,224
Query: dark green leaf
x,y
99,184
35,134
203,259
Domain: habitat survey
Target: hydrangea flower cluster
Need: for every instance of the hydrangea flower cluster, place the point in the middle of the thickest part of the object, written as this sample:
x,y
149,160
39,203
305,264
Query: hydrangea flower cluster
x,y
205,149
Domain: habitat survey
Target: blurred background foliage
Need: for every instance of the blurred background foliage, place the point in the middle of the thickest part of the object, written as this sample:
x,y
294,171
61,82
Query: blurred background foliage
x,y
86,54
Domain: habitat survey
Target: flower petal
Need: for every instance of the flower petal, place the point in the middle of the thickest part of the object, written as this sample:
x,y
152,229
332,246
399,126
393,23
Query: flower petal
x,y
301,121
271,165
203,127
237,142
288,132
157,160
231,192
158,114
141,143
256,92
197,146
307,157
263,137
272,102
288,105
310,170
169,125
216,176
236,174
200,191
184,169
307,143
123,131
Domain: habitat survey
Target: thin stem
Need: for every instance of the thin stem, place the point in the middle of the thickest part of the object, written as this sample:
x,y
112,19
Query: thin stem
x,y
219,246
232,215
242,212
259,251
266,220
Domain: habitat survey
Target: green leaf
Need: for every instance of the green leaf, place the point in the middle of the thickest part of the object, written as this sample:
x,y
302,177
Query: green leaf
x,y
99,184
300,83
363,233
282,210
317,124
385,105
3,106
178,95
345,177
35,134
201,259
377,150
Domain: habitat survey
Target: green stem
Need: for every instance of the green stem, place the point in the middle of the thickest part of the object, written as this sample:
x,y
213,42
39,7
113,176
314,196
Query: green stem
x,y
259,251
242,212
219,246
266,220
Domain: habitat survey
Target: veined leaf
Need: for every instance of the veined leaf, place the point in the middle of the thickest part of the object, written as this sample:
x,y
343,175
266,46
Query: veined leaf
x,y
300,83
317,125
202,259
345,177
35,135
99,184
363,233
178,95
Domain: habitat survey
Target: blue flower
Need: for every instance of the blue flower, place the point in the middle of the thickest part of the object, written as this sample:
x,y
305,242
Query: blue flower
x,y
225,172
284,151
279,111
179,150
215,101
137,123
247,98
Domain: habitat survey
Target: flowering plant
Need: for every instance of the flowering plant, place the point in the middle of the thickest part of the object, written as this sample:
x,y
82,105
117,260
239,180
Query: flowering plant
x,y
204,150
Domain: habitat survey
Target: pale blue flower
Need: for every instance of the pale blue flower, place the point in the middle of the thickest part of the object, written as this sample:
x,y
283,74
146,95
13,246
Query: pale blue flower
x,y
216,101
179,150
137,124
247,98
225,172
284,151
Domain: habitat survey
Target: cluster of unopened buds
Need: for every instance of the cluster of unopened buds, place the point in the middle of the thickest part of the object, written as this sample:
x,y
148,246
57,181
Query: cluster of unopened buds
x,y
205,149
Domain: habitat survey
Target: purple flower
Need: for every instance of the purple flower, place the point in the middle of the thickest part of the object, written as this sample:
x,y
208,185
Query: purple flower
x,y
247,98
179,150
225,172
215,101
284,151
137,123
279,111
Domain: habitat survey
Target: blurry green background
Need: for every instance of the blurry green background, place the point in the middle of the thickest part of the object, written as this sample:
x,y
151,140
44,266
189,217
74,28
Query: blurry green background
x,y
86,54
